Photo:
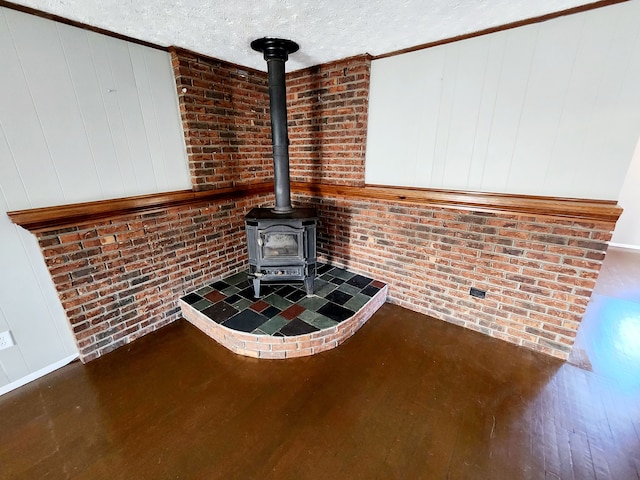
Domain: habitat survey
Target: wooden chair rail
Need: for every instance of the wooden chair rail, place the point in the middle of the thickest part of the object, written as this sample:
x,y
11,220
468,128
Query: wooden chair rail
x,y
50,218
581,209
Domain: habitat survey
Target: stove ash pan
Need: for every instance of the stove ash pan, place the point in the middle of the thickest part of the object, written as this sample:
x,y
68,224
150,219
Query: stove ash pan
x,y
282,247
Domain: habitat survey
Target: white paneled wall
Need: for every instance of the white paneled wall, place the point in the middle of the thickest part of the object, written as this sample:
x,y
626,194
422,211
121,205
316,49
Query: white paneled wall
x,y
29,309
547,109
83,117
627,232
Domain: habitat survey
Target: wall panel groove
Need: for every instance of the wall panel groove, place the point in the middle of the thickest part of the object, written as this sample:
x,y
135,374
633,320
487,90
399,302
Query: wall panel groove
x,y
544,109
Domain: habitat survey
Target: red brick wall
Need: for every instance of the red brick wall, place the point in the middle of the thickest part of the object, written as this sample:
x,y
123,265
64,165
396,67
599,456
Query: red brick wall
x,y
538,272
328,111
121,278
225,118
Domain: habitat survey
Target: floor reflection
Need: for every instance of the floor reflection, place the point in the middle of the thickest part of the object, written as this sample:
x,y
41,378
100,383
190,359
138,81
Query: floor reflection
x,y
609,336
613,343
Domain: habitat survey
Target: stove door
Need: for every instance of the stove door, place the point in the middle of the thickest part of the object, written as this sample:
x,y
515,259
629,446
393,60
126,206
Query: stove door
x,y
279,244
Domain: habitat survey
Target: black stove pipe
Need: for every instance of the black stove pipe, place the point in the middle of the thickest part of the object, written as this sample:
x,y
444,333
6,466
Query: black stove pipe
x,y
276,52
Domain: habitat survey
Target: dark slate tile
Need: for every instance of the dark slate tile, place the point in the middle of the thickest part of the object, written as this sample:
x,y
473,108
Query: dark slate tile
x,y
337,281
350,289
370,290
271,312
296,295
286,290
277,301
341,273
339,297
245,321
312,303
359,281
202,304
243,303
319,282
323,268
220,312
204,290
191,298
266,289
248,293
335,312
273,325
220,285
297,327
317,320
231,290
323,290
237,279
357,302
233,299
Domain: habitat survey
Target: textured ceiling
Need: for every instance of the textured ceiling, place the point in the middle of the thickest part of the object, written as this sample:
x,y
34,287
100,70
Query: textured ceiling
x,y
325,29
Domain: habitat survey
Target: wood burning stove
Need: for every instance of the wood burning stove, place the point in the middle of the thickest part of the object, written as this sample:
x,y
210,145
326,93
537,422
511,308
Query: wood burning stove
x,y
281,241
282,247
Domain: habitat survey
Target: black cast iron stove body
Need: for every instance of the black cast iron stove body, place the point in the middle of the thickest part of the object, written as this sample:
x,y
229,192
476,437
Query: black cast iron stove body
x,y
282,240
282,247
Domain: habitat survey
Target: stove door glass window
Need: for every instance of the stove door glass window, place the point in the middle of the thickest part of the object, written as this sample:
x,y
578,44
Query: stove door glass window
x,y
280,244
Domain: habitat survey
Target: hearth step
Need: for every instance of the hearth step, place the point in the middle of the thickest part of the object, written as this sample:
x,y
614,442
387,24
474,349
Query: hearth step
x,y
284,322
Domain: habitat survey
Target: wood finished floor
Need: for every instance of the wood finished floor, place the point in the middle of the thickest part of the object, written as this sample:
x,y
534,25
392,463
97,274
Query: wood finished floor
x,y
407,397
620,274
608,341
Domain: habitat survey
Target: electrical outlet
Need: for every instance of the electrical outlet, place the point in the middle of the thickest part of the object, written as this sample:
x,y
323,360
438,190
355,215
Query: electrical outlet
x,y
476,292
6,340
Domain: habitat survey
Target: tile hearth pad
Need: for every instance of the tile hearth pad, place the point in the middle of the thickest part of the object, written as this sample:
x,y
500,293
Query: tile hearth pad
x,y
284,322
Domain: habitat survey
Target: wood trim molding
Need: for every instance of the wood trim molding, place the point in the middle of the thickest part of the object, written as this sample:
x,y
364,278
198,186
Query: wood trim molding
x,y
572,208
74,23
62,216
507,26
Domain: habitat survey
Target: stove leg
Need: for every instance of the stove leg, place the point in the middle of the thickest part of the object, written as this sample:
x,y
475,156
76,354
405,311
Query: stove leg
x,y
308,285
256,287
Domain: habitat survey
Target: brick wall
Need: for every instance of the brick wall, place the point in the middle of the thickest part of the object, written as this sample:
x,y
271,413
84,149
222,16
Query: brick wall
x,y
538,271
225,118
121,278
328,111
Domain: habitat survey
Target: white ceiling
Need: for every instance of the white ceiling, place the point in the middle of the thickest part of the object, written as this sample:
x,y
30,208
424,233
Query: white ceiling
x,y
326,30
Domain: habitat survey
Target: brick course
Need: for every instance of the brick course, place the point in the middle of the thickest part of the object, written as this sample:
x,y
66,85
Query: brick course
x,y
538,285
225,118
328,109
121,278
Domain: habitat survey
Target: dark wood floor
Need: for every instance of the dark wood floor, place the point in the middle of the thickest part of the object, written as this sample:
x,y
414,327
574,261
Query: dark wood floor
x,y
608,341
407,397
